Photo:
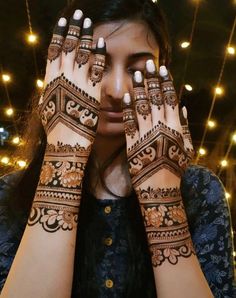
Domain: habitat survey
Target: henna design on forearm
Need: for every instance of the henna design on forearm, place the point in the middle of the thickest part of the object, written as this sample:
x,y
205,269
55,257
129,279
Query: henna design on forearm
x,y
68,104
160,148
166,225
57,199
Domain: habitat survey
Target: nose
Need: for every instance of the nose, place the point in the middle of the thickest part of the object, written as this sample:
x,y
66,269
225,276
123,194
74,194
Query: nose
x,y
115,84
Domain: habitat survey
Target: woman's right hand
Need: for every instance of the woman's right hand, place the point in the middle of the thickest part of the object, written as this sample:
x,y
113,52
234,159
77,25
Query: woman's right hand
x,y
69,106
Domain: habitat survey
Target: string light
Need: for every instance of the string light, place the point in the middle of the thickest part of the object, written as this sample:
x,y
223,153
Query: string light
x,y
234,138
227,195
9,112
32,38
202,151
16,140
188,87
219,90
39,83
185,44
211,124
231,50
21,163
5,160
6,78
224,163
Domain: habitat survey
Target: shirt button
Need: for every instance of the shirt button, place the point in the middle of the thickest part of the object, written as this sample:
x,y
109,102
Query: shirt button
x,y
107,209
108,241
109,283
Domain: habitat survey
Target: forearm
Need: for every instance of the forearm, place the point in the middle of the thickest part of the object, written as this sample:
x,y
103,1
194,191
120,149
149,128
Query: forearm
x,y
176,269
43,265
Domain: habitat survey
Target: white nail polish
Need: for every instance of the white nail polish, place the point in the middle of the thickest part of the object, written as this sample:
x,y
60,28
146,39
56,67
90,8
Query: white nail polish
x,y
78,14
138,76
185,112
150,66
100,42
62,22
87,23
127,98
163,71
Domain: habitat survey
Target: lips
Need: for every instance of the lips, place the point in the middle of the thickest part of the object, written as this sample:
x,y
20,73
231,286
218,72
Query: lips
x,y
111,109
112,114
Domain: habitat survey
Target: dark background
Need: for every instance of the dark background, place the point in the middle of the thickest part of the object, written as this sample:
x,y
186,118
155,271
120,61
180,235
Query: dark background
x,y
214,23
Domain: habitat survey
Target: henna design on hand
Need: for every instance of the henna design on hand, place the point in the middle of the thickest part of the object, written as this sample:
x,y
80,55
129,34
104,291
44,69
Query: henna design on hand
x,y
168,90
57,199
68,104
85,46
129,117
56,44
166,224
73,35
154,90
160,148
99,63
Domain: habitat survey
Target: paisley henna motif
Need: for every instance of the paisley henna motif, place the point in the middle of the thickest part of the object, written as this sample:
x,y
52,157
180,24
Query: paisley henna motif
x,y
154,92
97,69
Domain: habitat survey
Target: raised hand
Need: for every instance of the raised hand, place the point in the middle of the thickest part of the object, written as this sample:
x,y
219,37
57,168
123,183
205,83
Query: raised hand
x,y
69,110
159,149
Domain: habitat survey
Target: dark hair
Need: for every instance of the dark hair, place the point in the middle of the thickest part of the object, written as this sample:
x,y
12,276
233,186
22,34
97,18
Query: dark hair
x,y
100,11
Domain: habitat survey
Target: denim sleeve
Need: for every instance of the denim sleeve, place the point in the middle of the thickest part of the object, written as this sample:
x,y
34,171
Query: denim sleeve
x,y
210,226
11,228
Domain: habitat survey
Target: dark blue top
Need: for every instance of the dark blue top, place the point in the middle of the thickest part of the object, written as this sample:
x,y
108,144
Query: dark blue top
x,y
111,233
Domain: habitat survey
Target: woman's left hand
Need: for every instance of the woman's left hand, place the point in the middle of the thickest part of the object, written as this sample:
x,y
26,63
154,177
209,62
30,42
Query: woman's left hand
x,y
159,149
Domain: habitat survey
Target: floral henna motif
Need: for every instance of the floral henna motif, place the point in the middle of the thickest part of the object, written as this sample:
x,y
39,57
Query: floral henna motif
x,y
154,92
65,103
55,47
166,225
162,147
84,51
141,103
97,70
129,122
169,94
57,200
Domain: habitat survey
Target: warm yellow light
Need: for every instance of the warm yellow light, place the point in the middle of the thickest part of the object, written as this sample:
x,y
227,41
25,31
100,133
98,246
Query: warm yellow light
x,y
231,50
202,151
219,90
6,78
39,83
234,253
234,138
16,140
154,1
32,38
9,111
224,163
211,124
227,195
21,163
5,160
185,44
188,87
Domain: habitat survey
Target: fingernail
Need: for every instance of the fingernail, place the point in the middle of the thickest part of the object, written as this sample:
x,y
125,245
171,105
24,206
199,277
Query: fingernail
x,y
127,98
163,71
185,112
150,66
78,14
87,23
101,42
62,22
138,76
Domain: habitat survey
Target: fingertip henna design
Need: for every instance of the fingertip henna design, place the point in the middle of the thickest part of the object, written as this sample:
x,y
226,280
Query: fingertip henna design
x,y
168,90
56,44
85,46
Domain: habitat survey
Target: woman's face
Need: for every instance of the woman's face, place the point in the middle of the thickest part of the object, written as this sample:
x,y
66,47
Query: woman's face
x,y
129,45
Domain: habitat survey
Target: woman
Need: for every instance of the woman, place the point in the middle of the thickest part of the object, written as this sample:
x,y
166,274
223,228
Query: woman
x,y
109,111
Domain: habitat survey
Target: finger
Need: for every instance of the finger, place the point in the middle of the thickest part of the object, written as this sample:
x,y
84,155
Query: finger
x,y
188,145
130,123
54,51
170,99
85,45
71,41
99,63
142,106
154,93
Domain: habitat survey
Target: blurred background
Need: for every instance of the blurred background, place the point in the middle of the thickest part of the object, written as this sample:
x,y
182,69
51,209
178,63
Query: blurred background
x,y
203,65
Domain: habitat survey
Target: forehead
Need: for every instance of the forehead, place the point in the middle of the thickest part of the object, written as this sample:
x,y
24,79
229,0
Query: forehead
x,y
127,36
